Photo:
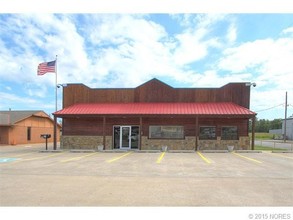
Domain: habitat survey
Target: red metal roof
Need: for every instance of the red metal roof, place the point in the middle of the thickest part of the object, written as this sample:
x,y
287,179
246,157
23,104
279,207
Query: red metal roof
x,y
217,108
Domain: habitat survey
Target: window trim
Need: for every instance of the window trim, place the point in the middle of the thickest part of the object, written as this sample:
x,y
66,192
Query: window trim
x,y
167,138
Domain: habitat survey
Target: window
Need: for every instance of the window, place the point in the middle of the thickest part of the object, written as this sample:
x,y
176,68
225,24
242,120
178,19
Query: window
x,y
207,133
28,133
229,133
166,132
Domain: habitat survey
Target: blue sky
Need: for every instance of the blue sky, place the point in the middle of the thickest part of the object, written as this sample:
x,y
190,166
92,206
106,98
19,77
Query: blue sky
x,y
125,50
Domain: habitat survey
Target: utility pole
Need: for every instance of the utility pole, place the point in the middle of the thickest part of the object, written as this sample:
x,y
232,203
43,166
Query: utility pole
x,y
285,121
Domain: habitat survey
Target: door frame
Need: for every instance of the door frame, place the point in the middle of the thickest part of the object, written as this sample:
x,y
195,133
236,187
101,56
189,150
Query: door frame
x,y
120,136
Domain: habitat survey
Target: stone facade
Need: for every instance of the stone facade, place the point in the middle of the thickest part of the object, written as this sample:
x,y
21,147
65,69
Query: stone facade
x,y
156,144
92,142
81,142
242,144
109,143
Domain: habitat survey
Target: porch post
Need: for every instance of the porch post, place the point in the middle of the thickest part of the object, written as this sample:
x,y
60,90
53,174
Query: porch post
x,y
196,133
140,132
253,133
55,133
104,133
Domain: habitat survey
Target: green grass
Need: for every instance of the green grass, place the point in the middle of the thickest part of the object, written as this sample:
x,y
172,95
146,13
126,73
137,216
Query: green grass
x,y
258,147
263,136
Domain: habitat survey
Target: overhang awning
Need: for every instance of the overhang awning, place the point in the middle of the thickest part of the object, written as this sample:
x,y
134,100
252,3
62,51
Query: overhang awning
x,y
152,109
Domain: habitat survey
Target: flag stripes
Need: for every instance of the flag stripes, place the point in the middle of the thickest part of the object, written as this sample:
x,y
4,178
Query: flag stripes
x,y
46,67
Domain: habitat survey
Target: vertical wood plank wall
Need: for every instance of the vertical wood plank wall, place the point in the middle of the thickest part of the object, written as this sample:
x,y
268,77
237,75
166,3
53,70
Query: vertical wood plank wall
x,y
157,91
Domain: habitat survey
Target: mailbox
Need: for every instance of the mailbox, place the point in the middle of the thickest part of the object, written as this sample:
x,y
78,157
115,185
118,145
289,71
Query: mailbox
x,y
46,136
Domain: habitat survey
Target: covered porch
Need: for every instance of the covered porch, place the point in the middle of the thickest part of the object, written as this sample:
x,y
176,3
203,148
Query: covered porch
x,y
149,126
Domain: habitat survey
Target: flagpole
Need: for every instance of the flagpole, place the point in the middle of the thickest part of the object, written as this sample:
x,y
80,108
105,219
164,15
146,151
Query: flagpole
x,y
55,121
56,84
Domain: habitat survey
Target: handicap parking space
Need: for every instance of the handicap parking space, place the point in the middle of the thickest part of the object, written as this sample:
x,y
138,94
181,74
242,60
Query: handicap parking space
x,y
7,159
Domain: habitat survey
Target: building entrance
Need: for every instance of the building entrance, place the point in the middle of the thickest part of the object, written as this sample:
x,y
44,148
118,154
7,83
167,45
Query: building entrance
x,y
126,137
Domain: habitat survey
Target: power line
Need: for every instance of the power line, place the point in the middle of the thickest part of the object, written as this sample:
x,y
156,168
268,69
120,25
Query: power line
x,y
269,108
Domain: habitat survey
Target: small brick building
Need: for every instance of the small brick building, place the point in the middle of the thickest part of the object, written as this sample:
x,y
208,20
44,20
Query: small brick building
x,y
25,127
154,115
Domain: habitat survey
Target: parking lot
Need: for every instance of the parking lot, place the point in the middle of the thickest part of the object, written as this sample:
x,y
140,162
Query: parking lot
x,y
31,178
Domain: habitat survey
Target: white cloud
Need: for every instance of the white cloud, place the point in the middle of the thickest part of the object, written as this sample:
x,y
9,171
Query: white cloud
x,y
212,78
232,33
102,47
8,99
270,59
120,50
288,31
198,38
190,49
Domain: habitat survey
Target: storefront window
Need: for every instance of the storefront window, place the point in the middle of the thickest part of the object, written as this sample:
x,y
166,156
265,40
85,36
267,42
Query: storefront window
x,y
229,133
166,132
207,133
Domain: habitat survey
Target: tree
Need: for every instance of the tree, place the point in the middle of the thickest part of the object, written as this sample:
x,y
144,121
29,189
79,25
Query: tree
x,y
264,125
276,124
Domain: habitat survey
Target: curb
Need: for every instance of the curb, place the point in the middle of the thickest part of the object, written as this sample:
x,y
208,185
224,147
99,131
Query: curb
x,y
50,151
82,151
276,151
215,151
248,151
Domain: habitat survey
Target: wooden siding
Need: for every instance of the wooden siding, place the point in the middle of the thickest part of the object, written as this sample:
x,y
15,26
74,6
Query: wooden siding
x,y
94,126
157,91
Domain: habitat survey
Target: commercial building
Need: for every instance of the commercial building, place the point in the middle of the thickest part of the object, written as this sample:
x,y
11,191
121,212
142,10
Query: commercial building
x,y
289,128
154,115
25,127
279,133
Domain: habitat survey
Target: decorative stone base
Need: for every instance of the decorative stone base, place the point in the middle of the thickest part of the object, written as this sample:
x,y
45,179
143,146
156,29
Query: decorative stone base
x,y
242,144
109,143
156,144
92,142
81,142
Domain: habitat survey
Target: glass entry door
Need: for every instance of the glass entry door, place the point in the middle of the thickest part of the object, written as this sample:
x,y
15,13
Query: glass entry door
x,y
125,137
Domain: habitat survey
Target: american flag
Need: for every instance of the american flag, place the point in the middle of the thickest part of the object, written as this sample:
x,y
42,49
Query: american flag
x,y
46,67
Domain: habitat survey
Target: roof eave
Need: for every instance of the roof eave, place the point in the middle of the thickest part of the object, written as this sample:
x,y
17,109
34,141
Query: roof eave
x,y
158,115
